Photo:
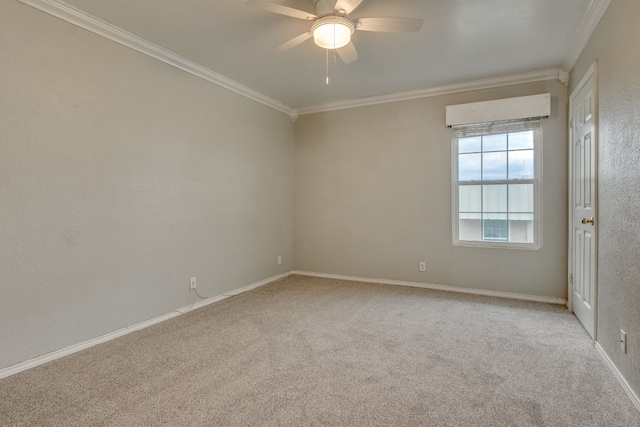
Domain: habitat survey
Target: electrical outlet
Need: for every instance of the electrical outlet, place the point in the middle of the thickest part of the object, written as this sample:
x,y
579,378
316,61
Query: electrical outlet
x,y
193,283
279,259
623,341
423,266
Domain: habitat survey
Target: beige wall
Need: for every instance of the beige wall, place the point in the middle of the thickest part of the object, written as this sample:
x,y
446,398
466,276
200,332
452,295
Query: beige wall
x,y
615,45
373,197
121,177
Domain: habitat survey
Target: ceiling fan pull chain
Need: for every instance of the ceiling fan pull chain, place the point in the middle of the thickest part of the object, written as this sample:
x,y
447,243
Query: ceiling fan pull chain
x,y
327,81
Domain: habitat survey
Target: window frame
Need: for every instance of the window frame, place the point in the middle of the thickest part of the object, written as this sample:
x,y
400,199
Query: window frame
x,y
502,127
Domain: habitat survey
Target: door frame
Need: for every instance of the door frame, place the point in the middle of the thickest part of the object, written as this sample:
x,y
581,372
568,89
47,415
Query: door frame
x,y
592,71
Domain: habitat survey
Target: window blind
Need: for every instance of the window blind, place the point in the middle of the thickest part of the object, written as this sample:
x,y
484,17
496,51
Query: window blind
x,y
505,126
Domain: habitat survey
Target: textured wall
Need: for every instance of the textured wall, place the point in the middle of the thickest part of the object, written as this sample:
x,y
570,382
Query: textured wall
x,y
121,177
615,45
373,197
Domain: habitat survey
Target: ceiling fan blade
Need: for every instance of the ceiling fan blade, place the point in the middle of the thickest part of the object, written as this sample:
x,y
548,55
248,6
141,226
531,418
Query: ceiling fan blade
x,y
347,6
281,9
291,43
348,54
389,25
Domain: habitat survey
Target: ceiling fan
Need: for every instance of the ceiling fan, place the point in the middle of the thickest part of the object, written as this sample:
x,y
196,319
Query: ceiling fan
x,y
332,27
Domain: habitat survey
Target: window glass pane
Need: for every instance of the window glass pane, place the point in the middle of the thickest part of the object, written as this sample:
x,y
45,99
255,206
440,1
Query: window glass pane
x,y
496,229
470,200
521,226
469,167
469,145
494,165
494,199
494,142
521,198
521,140
470,229
521,164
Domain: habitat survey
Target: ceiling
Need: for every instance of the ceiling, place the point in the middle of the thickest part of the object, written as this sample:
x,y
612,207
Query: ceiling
x,y
460,41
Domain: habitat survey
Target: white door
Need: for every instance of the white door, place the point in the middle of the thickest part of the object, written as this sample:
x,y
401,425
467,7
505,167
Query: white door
x,y
583,198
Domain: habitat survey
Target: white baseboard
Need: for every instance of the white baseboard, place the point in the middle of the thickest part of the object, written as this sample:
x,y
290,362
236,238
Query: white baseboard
x,y
40,360
616,373
23,366
484,292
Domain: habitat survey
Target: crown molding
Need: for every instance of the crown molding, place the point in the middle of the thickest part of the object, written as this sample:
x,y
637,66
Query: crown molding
x,y
81,19
563,76
587,26
513,79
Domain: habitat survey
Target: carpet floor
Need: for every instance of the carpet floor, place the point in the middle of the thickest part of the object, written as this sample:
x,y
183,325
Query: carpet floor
x,y
308,351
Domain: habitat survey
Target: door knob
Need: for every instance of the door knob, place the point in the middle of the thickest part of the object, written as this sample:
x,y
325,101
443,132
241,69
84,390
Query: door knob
x,y
588,221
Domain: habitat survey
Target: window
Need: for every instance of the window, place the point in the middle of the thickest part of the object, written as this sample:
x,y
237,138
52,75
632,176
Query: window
x,y
496,176
495,229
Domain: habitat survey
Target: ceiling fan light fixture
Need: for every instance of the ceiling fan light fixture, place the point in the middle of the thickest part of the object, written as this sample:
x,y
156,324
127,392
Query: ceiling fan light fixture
x,y
332,32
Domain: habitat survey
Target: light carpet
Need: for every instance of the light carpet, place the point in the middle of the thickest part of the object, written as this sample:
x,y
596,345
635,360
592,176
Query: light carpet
x,y
308,351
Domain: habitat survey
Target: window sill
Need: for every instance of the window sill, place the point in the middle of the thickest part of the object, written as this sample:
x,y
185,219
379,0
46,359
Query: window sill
x,y
498,245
